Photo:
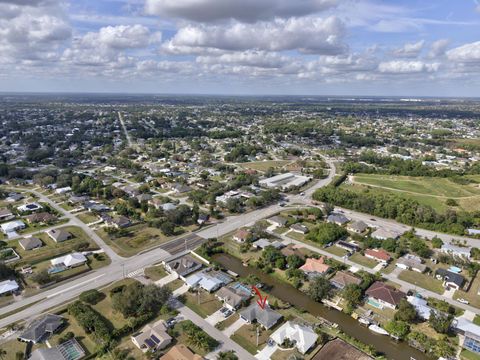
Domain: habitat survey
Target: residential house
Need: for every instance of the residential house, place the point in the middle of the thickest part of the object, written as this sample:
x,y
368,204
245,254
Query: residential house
x,y
265,317
421,307
299,228
358,227
241,235
168,206
302,336
384,234
202,219
8,287
59,235
144,197
181,189
63,190
12,226
382,295
183,266
30,243
69,261
118,222
14,197
42,217
450,279
68,350
278,220
338,219
152,337
349,246
378,255
233,296
95,207
41,329
470,331
457,251
6,214
30,207
343,278
411,262
291,249
208,281
315,267
180,352
263,243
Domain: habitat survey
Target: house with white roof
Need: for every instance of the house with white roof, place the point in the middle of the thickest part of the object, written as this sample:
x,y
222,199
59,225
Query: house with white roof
x,y
458,251
8,287
70,260
303,336
12,226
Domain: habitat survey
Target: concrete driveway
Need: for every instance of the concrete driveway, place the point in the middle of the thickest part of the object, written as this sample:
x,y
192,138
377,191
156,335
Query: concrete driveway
x,y
267,352
216,317
229,331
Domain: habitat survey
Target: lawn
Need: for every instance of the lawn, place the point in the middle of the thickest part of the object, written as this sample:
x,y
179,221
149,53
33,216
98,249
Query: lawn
x,y
264,165
155,273
476,320
222,325
468,355
139,237
472,295
175,284
87,217
246,337
422,280
362,260
203,303
426,190
72,326
335,250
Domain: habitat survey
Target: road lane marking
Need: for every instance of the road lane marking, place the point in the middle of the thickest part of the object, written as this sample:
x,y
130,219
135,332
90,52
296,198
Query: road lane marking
x,y
74,286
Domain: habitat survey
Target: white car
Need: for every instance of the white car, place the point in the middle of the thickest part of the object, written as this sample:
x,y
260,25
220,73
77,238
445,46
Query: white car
x,y
463,301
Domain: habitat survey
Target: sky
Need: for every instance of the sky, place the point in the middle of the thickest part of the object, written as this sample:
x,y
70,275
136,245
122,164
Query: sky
x,y
252,47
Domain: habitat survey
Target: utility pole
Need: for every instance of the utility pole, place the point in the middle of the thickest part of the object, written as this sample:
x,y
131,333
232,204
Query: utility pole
x,y
257,335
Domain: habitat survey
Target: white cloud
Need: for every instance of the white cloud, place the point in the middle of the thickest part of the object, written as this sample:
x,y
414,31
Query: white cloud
x,y
407,67
242,10
307,35
120,37
466,53
409,50
438,48
247,58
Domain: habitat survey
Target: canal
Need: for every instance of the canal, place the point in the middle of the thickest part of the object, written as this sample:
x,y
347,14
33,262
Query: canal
x,y
285,292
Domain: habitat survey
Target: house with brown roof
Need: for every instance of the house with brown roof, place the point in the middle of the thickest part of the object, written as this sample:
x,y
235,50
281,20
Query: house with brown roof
x,y
42,218
343,278
241,235
180,352
379,255
291,249
152,337
314,267
382,295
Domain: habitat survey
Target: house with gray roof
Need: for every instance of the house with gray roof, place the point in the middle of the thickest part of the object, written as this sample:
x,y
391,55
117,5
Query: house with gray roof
x,y
42,329
59,235
183,266
338,219
68,350
265,317
30,243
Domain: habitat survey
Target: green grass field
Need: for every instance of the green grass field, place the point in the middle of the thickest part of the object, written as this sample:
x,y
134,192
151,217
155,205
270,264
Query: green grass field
x,y
426,190
264,165
422,280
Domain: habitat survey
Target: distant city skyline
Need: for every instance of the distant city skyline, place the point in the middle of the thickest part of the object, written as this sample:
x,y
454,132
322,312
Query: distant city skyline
x,y
250,47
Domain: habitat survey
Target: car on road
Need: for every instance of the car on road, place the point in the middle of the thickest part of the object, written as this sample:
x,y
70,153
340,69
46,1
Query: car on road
x,y
171,322
372,219
463,301
302,193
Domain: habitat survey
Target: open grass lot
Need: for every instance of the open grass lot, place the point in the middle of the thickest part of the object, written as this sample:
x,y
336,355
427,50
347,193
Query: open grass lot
x,y
13,346
51,249
155,273
246,337
87,217
140,237
426,190
362,260
175,284
422,280
264,165
227,322
468,355
476,320
472,295
335,250
203,303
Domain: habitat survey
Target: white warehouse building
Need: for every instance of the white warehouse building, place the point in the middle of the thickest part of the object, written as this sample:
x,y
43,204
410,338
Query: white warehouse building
x,y
285,181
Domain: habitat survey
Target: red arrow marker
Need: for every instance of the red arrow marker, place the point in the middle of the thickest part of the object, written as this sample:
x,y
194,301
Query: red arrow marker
x,y
263,300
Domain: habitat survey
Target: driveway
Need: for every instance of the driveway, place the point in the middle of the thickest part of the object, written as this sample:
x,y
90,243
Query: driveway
x,y
267,352
229,331
216,317
165,280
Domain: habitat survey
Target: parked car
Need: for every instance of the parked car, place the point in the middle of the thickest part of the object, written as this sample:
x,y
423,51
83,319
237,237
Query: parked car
x,y
463,301
227,313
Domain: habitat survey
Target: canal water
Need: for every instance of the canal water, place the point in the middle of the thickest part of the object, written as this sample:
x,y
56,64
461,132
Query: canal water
x,y
285,292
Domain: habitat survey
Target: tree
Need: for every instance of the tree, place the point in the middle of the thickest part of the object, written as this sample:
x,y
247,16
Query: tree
x,y
168,228
227,355
437,243
440,322
42,277
352,293
399,329
319,288
326,232
6,272
91,296
406,312
294,261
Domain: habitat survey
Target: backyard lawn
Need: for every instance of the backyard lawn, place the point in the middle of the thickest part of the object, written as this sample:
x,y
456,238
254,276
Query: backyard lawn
x,y
246,337
468,355
422,280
